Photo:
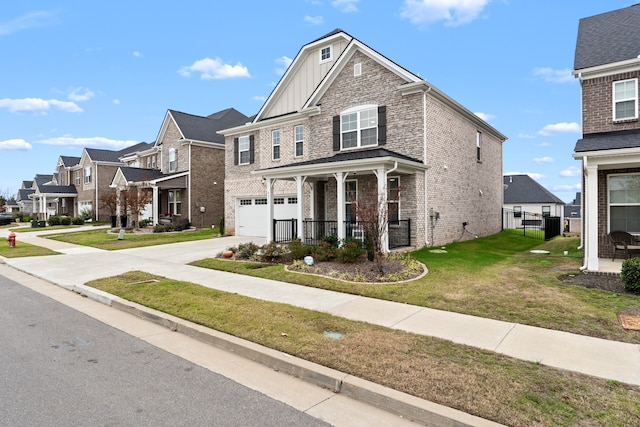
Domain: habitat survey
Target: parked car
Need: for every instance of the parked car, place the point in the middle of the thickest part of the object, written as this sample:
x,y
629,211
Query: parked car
x,y
6,218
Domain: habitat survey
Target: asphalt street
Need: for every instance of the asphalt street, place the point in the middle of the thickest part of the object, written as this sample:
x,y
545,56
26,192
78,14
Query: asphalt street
x,y
60,367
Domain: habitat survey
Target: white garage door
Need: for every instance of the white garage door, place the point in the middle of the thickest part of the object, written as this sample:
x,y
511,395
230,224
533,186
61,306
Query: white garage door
x,y
252,218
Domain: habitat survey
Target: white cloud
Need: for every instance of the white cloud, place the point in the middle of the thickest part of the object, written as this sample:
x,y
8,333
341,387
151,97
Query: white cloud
x,y
38,105
484,116
30,20
15,144
546,159
536,176
453,12
80,94
544,144
525,136
260,98
571,172
97,141
283,62
345,5
116,101
314,20
214,69
562,127
575,187
554,76
137,54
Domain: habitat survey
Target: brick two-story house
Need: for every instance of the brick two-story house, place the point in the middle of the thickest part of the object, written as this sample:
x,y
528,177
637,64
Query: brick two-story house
x,y
346,129
607,62
184,168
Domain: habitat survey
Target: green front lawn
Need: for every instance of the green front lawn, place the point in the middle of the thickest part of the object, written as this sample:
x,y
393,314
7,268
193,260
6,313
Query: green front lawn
x,y
495,277
102,239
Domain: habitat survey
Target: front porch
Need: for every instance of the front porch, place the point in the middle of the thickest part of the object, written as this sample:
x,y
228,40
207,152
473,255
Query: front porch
x,y
314,231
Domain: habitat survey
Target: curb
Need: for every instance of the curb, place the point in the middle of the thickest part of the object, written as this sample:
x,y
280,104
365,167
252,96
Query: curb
x,y
393,401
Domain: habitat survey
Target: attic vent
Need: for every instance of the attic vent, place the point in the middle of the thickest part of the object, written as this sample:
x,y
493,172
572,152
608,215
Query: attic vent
x,y
357,70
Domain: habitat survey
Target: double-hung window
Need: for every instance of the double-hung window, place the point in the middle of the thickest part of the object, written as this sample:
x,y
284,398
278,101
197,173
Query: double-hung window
x,y
77,177
87,175
350,200
243,149
298,132
393,200
173,160
546,211
625,99
517,211
624,203
479,146
275,144
359,128
175,202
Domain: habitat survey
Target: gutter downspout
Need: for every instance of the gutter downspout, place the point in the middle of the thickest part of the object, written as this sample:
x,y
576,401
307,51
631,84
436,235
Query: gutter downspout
x,y
584,215
424,160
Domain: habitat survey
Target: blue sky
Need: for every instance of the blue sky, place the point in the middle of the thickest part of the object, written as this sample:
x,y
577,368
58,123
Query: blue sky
x,y
99,74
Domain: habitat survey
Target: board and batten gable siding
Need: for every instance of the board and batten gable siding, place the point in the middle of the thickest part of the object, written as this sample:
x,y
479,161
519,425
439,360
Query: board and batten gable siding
x,y
307,78
597,104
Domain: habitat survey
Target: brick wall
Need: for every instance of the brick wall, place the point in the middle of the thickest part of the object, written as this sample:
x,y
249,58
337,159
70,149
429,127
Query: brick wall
x,y
597,104
207,185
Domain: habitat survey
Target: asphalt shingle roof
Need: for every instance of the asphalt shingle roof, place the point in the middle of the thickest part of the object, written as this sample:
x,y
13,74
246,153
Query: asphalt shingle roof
x,y
609,140
352,155
608,38
101,155
524,189
58,189
69,161
23,193
198,128
140,174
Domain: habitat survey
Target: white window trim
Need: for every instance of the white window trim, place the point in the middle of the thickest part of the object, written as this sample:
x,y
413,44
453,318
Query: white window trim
x,y
478,146
609,204
173,164
297,141
359,109
615,101
177,201
396,201
87,175
275,142
247,150
323,60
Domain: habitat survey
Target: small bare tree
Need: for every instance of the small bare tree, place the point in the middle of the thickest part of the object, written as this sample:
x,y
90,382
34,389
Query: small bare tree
x,y
135,201
110,202
373,217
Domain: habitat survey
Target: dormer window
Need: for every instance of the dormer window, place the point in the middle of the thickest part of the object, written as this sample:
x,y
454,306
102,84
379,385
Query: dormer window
x,y
325,54
625,99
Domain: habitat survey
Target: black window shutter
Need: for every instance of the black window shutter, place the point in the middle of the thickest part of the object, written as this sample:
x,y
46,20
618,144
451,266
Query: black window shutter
x,y
382,125
251,149
336,133
235,151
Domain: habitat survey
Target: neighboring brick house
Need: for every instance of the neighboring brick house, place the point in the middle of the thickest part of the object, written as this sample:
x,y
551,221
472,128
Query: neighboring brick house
x,y
93,174
345,128
184,169
522,194
607,62
46,196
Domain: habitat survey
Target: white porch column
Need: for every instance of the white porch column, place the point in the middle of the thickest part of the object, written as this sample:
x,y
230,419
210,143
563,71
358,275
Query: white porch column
x,y
381,174
154,208
300,207
45,209
270,183
35,207
591,211
340,178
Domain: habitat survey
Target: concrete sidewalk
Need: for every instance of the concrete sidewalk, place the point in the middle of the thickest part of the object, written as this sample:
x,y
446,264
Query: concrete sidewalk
x,y
597,357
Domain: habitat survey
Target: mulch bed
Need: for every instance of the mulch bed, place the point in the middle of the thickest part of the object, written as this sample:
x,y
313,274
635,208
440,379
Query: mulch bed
x,y
611,283
366,268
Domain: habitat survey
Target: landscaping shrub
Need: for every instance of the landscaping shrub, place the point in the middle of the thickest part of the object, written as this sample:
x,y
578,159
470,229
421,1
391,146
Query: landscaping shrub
x,y
163,228
54,220
331,240
350,251
325,251
272,252
26,218
299,250
182,225
630,275
77,220
65,220
246,250
144,223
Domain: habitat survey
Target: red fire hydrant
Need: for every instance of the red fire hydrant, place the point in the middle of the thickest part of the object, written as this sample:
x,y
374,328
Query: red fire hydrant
x,y
12,239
